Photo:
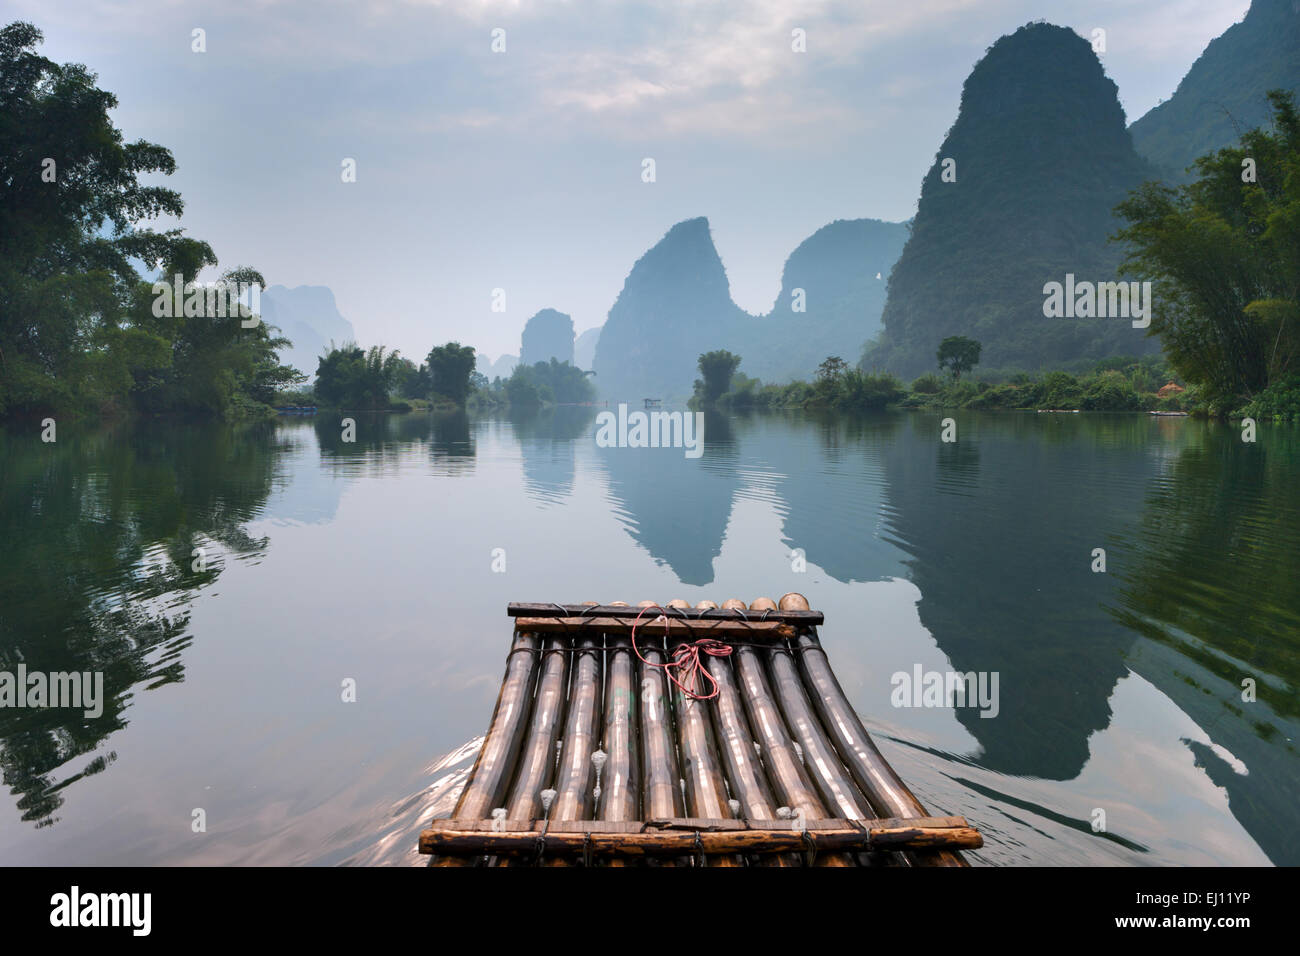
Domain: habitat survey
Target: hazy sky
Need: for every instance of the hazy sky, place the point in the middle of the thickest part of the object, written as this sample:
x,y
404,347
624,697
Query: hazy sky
x,y
521,170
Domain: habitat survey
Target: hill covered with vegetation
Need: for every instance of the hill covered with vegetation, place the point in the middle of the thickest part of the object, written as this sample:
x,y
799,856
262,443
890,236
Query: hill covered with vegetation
x,y
1021,193
1225,92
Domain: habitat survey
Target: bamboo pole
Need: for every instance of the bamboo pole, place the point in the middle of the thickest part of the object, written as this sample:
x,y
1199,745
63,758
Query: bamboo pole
x,y
620,795
744,773
576,774
885,790
619,780
825,769
706,793
662,797
493,768
790,782
537,762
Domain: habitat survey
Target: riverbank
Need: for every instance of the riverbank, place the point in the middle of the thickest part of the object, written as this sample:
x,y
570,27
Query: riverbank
x,y
1111,385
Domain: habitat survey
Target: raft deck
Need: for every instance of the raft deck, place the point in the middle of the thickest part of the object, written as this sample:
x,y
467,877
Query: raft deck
x,y
679,736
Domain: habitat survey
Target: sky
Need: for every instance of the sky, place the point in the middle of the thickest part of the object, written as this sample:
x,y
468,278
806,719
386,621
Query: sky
x,y
522,169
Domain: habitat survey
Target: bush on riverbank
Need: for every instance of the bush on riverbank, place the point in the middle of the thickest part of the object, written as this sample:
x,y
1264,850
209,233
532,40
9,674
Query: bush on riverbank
x,y
1279,402
853,390
1113,385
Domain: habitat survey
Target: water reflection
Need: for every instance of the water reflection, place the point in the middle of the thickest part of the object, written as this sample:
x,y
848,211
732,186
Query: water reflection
x,y
547,440
1000,531
673,506
1216,603
109,536
1121,687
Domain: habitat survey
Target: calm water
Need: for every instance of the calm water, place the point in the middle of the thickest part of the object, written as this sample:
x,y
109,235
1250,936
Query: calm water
x,y
372,561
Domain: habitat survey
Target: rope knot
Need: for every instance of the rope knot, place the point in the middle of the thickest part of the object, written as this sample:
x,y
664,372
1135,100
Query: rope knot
x,y
686,659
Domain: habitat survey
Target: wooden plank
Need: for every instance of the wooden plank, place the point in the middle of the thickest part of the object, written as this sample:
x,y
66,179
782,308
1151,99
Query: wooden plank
x,y
658,627
685,842
801,617
717,824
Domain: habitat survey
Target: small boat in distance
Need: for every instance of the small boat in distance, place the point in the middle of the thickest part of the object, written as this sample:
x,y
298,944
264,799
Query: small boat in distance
x,y
295,409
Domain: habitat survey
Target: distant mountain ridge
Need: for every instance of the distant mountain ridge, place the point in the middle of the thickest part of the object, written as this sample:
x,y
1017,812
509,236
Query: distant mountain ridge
x,y
676,304
501,368
839,276
308,316
1223,94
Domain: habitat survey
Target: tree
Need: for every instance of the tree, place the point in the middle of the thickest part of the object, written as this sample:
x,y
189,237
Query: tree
x,y
958,354
351,378
832,370
78,325
67,231
1223,254
717,367
450,367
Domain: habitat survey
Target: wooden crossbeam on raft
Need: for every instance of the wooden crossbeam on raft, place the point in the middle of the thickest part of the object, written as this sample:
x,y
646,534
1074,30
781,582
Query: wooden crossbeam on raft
x,y
654,626
798,616
684,837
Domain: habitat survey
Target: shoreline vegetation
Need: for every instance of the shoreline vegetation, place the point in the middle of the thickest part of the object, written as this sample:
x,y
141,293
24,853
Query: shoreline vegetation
x,y
82,331
1121,384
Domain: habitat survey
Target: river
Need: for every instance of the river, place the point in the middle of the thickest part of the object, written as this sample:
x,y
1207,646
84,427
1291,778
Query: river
x,y
235,585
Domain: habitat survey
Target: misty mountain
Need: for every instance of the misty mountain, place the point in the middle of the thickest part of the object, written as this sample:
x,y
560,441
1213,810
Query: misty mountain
x,y
502,367
675,304
308,316
839,277
1042,156
547,335
584,348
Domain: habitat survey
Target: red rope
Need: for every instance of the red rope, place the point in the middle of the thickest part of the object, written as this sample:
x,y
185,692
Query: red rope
x,y
686,658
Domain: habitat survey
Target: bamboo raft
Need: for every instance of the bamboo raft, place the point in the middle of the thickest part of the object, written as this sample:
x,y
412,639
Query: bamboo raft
x,y
596,755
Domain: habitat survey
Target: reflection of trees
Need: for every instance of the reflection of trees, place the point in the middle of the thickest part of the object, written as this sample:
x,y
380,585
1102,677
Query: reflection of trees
x,y
100,532
1215,588
381,440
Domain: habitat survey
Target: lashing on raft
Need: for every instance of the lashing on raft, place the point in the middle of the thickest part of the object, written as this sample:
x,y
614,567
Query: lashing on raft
x,y
682,736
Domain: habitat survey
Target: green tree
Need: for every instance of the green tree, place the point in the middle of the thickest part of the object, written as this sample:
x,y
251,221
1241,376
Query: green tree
x,y
67,230
1223,254
832,370
350,377
78,327
554,381
450,368
717,367
957,354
